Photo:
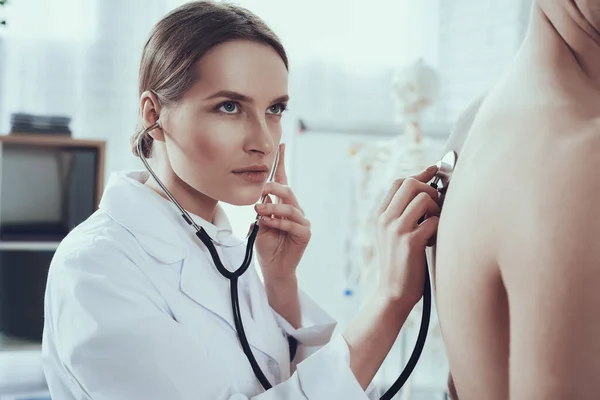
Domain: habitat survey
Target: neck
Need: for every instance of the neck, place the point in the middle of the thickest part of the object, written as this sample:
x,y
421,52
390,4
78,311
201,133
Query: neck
x,y
562,37
189,198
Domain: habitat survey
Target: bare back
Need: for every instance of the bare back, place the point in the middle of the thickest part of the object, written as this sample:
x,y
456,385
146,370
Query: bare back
x,y
529,127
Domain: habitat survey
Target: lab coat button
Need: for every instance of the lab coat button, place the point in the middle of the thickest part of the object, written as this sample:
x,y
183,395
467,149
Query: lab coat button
x,y
238,396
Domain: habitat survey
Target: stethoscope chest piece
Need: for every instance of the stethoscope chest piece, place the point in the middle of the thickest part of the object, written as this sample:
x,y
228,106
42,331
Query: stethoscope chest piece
x,y
445,170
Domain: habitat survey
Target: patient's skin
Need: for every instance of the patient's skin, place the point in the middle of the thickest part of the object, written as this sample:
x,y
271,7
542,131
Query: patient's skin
x,y
517,279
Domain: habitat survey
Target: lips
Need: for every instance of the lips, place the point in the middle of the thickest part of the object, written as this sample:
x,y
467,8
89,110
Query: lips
x,y
253,173
252,168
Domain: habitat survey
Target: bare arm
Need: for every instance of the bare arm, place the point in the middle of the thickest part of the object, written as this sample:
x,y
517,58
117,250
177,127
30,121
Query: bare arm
x,y
371,335
401,248
553,284
284,299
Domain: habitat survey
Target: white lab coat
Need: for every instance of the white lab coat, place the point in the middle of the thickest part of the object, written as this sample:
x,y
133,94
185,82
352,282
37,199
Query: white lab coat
x,y
135,309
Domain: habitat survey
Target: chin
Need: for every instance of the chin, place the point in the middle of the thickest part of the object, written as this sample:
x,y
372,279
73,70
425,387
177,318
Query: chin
x,y
243,197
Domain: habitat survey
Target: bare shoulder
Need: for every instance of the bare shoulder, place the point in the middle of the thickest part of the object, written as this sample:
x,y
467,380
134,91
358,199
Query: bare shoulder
x,y
555,209
568,163
574,189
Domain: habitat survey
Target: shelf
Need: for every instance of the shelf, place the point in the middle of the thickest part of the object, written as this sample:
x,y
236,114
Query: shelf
x,y
29,246
50,140
10,344
21,368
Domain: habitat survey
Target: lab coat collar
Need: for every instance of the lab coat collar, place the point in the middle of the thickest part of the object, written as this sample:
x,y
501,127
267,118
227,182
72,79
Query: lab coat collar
x,y
154,221
220,230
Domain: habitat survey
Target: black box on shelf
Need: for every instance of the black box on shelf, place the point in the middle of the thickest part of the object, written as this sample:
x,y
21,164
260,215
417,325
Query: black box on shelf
x,y
22,123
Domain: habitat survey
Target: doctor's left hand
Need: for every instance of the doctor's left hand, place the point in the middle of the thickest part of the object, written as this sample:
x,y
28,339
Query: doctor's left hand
x,y
284,231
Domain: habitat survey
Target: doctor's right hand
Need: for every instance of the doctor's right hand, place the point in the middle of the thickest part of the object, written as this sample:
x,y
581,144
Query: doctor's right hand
x,y
402,240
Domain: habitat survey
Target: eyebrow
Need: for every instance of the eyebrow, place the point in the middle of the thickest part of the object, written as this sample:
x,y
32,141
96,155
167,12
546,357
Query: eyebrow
x,y
243,98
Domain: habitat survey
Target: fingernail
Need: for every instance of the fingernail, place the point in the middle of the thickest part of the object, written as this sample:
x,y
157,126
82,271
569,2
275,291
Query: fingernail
x,y
260,207
432,168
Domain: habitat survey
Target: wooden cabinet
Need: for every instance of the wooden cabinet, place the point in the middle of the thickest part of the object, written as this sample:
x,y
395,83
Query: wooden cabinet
x,y
48,185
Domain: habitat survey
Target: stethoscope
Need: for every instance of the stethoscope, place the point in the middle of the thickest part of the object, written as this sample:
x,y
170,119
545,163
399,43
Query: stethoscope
x,y
440,183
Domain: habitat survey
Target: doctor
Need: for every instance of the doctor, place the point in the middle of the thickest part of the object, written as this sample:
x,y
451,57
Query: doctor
x,y
135,308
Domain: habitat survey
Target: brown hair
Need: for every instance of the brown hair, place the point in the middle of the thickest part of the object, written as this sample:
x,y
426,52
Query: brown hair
x,y
182,38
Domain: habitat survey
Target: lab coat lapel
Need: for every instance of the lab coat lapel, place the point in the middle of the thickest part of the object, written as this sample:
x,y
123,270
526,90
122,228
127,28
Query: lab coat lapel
x,y
201,282
269,330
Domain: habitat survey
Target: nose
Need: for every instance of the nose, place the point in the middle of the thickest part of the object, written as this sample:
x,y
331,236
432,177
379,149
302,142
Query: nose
x,y
259,138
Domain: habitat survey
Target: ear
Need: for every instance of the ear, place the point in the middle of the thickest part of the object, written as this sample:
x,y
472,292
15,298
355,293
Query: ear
x,y
151,108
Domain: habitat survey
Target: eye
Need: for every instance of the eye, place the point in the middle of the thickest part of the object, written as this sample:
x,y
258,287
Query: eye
x,y
229,107
277,109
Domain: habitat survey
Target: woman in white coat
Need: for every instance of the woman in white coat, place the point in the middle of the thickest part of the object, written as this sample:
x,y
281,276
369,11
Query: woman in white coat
x,y
135,308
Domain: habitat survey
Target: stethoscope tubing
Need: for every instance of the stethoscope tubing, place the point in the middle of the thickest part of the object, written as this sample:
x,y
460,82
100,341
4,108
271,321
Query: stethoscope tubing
x,y
232,276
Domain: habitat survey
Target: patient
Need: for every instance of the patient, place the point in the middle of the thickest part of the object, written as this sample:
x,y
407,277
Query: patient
x,y
517,278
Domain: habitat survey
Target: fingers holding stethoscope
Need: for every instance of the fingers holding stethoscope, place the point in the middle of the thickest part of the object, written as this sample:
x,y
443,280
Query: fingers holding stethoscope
x,y
404,191
421,205
284,230
419,219
407,224
423,177
426,230
284,194
411,205
285,217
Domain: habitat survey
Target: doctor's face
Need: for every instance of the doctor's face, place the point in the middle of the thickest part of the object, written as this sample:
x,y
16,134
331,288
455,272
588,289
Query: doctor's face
x,y
222,137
